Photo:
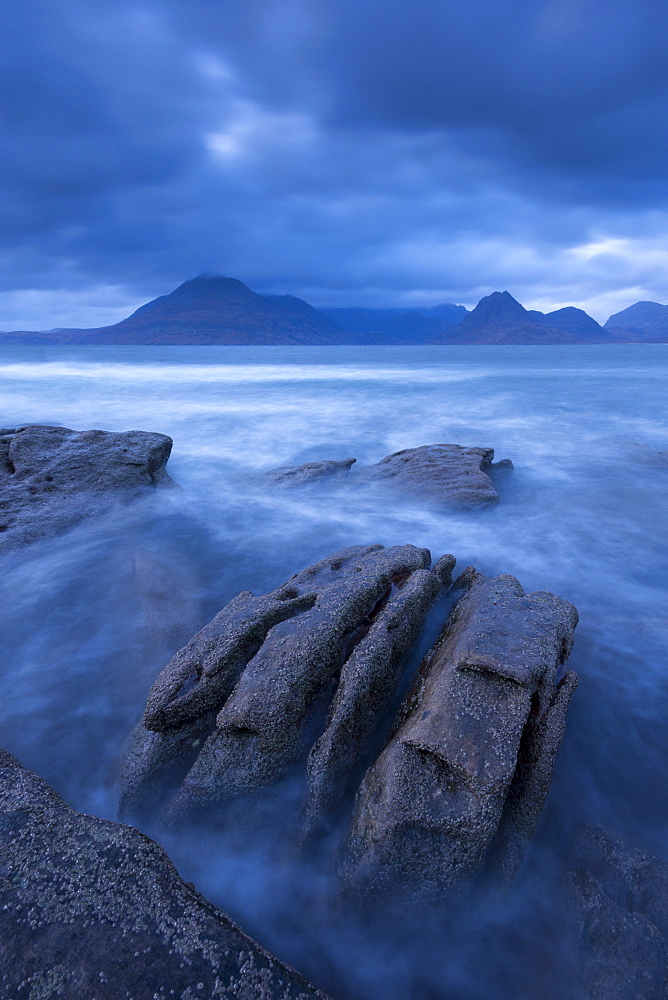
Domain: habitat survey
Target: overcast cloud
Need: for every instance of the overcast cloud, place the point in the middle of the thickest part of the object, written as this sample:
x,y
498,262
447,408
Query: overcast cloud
x,y
352,153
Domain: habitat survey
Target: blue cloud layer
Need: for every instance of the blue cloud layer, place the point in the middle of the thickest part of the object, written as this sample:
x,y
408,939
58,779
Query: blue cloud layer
x,y
375,153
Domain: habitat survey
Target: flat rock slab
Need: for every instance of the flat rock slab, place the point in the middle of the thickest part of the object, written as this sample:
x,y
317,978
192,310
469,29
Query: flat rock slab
x,y
52,477
305,681
448,474
96,910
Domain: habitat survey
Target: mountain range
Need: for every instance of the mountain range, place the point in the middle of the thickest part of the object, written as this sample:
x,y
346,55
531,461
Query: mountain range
x,y
212,309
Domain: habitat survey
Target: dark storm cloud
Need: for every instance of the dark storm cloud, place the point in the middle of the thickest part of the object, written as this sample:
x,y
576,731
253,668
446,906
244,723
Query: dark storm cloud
x,y
369,152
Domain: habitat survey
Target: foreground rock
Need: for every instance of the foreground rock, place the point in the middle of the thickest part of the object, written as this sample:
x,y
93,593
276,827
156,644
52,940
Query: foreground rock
x,y
448,474
93,909
52,477
464,779
305,680
621,905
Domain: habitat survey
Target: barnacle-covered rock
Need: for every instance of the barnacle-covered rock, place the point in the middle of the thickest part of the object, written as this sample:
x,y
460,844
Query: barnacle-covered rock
x,y
91,908
465,776
307,681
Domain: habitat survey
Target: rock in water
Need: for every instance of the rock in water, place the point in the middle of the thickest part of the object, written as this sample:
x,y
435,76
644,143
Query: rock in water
x,y
471,763
621,904
94,909
310,472
231,711
51,477
447,474
307,678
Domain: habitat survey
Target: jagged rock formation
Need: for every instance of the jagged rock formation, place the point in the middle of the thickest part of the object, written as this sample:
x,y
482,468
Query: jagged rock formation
x,y
230,712
52,477
620,897
307,677
94,909
448,474
465,777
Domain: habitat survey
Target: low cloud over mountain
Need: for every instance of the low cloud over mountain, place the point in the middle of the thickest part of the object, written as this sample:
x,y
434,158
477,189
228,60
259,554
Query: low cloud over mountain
x,y
376,155
212,309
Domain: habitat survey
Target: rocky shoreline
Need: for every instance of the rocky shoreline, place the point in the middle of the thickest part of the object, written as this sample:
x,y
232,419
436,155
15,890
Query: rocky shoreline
x,y
425,774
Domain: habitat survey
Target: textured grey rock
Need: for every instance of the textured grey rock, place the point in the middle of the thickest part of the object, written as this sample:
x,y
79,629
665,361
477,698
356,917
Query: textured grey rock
x,y
232,710
310,472
96,910
305,681
430,809
620,897
448,474
52,477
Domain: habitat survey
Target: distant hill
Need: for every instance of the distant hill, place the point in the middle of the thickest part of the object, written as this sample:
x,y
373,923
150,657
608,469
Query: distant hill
x,y
218,310
399,326
643,321
500,319
212,309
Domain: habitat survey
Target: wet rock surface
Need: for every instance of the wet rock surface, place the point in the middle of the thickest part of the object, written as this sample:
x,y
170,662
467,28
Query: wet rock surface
x,y
447,474
620,898
464,778
94,909
52,477
310,472
307,677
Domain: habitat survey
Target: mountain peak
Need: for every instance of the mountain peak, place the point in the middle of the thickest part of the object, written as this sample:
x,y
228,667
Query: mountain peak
x,y
499,306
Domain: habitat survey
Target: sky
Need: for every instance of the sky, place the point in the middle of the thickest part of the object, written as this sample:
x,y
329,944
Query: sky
x,y
368,153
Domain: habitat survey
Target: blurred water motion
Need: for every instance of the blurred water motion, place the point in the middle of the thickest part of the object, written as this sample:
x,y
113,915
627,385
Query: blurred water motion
x,y
87,620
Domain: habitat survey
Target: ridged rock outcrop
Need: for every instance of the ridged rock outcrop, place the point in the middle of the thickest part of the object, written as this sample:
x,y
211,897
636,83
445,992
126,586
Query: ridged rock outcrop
x,y
307,678
465,776
93,909
450,475
52,477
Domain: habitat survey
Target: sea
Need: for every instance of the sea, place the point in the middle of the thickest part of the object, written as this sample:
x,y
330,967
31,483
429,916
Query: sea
x,y
88,620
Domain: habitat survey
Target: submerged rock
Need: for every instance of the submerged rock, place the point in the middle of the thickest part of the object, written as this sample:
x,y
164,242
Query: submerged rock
x,y
447,474
310,472
644,455
52,477
620,896
94,909
307,677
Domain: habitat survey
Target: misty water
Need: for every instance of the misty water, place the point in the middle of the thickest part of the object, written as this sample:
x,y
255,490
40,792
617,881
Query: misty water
x,y
88,620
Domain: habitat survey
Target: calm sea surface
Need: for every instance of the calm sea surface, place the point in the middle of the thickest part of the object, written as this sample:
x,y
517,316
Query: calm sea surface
x,y
88,620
